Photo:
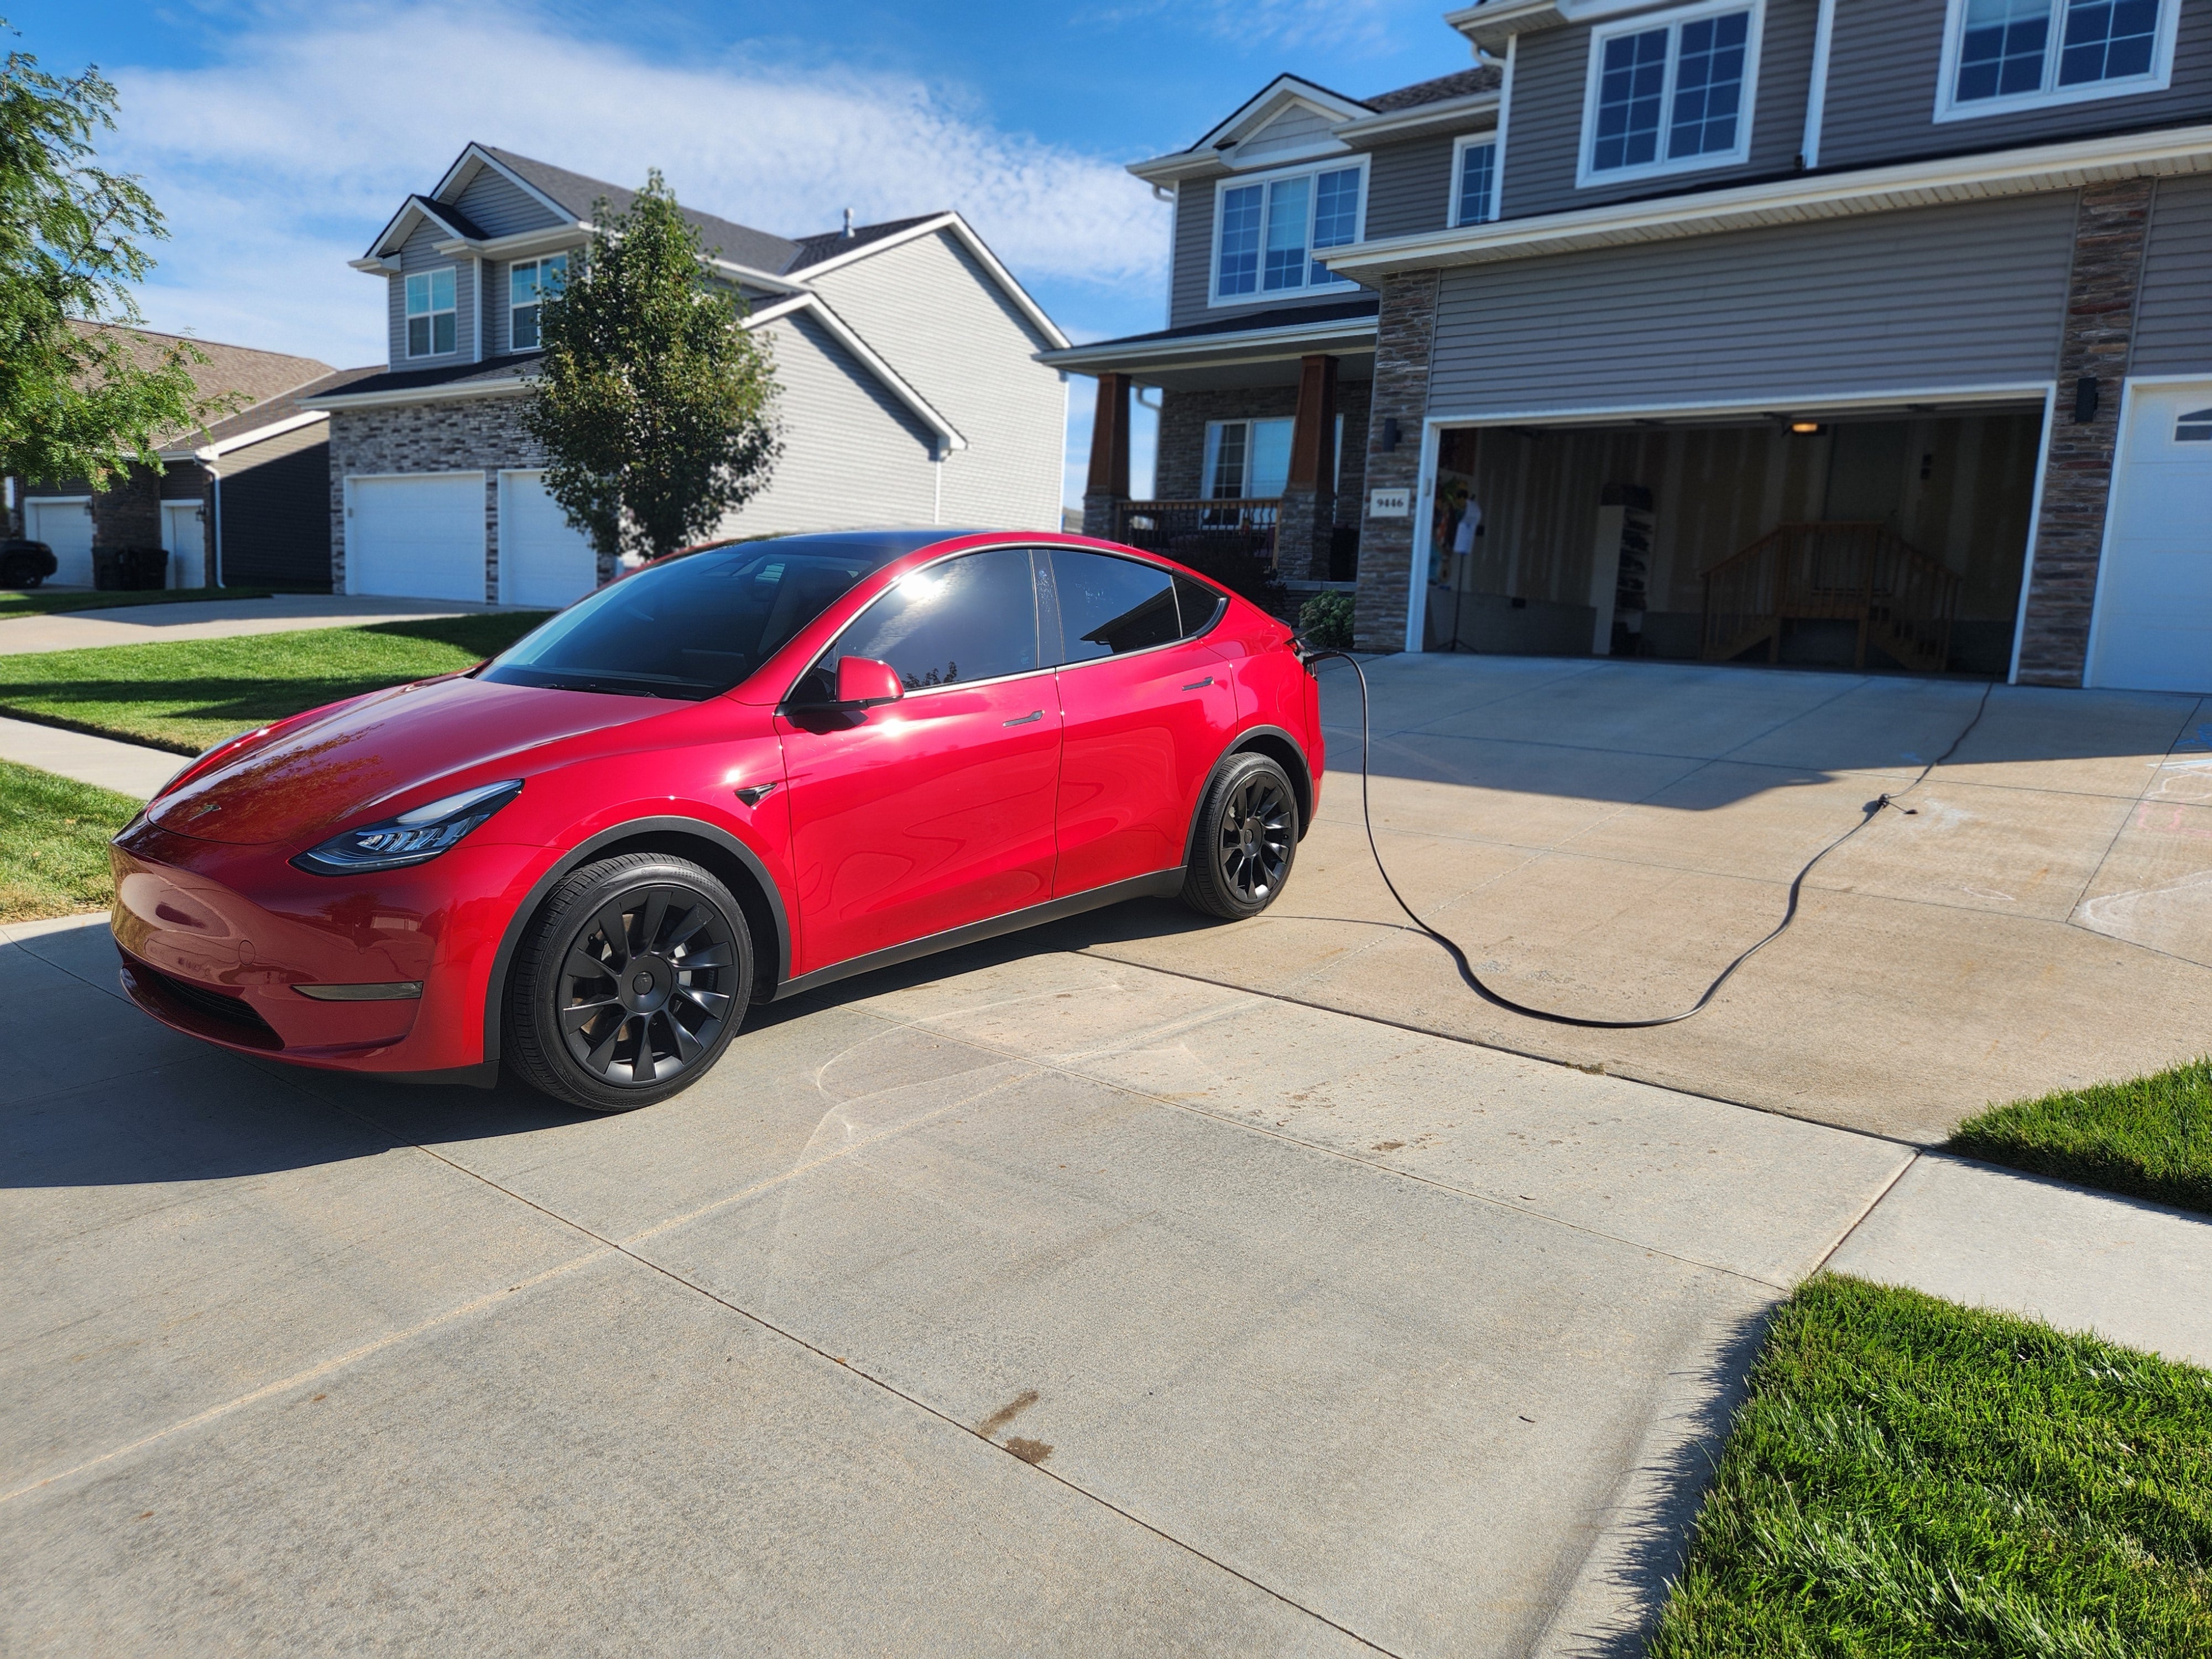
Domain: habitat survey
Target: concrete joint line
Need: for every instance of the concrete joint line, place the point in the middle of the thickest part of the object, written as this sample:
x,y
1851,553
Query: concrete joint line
x,y
1384,1169
1872,1204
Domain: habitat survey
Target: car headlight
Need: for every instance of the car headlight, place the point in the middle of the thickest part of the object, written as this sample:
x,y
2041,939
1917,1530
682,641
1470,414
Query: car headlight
x,y
413,838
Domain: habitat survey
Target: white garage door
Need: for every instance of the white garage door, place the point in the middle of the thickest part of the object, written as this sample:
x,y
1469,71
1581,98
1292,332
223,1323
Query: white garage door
x,y
2155,596
542,561
65,526
420,536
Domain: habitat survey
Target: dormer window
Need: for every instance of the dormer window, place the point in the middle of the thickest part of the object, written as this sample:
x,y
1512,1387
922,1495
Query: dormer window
x,y
430,312
1267,232
2013,54
528,282
1670,93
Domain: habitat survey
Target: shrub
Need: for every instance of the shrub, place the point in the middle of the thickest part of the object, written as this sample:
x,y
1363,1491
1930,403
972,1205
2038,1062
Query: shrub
x,y
1326,620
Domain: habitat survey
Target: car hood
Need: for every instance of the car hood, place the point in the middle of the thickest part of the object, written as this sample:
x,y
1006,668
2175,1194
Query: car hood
x,y
338,766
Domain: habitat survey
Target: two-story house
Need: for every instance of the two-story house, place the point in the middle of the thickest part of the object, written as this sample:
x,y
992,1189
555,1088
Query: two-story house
x,y
909,388
1847,331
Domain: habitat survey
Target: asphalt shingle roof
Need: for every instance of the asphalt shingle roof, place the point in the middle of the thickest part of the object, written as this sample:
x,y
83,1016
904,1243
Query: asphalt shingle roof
x,y
251,375
1483,77
743,245
814,250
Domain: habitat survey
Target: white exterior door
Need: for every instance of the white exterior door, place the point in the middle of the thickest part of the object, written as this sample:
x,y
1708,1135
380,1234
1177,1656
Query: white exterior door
x,y
66,525
182,540
541,561
419,535
2153,621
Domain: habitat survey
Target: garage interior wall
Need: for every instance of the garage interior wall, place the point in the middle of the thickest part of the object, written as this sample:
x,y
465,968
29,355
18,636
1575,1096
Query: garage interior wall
x,y
1960,488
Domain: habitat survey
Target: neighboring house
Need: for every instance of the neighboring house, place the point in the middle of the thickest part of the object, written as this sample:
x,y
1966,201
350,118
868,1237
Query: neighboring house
x,y
910,391
243,501
1757,330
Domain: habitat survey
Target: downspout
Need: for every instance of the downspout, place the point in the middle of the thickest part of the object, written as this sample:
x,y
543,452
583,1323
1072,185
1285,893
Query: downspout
x,y
1504,118
215,472
479,280
1816,96
937,482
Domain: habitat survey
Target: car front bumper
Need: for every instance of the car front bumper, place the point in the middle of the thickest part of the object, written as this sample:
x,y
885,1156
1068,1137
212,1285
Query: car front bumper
x,y
202,957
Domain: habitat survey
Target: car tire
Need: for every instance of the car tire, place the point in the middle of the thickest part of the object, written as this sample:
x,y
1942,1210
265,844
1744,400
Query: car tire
x,y
1247,840
673,979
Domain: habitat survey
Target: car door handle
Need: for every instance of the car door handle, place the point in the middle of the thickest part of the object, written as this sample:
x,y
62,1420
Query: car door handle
x,y
1200,685
1024,719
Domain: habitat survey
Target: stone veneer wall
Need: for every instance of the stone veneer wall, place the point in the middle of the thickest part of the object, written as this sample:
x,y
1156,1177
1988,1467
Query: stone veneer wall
x,y
2111,225
1181,455
1405,335
455,436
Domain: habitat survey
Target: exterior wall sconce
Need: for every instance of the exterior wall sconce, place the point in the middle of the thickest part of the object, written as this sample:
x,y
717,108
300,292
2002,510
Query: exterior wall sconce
x,y
1389,432
2085,400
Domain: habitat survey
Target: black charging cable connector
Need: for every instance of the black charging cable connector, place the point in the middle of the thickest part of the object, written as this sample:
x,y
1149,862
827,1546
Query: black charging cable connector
x,y
1872,809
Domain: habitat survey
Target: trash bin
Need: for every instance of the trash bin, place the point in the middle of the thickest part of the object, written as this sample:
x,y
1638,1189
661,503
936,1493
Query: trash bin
x,y
108,568
128,570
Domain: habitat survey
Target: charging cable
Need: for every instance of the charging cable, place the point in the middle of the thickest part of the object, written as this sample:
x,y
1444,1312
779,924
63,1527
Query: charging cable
x,y
1867,814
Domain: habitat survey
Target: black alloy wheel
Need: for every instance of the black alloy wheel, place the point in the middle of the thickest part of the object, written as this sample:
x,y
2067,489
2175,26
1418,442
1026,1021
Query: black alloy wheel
x,y
1246,841
632,980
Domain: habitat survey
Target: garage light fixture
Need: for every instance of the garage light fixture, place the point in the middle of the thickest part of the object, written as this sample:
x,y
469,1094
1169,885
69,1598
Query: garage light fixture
x,y
1805,428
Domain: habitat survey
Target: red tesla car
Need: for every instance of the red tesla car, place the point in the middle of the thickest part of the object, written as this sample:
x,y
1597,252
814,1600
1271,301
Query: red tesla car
x,y
738,774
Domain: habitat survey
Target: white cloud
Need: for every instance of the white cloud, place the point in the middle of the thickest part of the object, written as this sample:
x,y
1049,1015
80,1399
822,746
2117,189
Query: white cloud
x,y
279,162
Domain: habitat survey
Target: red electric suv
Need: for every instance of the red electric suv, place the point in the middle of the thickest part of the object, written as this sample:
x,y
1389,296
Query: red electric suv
x,y
738,774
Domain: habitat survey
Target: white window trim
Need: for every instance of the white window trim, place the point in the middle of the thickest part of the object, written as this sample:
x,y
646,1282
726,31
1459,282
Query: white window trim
x,y
454,312
1460,148
1265,297
1212,448
513,265
1586,177
2158,79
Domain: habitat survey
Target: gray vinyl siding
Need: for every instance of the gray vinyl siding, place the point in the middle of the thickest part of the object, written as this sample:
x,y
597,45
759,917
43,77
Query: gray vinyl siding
x,y
1292,130
419,252
853,455
1551,72
1191,276
499,207
276,509
2174,317
933,312
1967,295
1409,185
499,317
1887,57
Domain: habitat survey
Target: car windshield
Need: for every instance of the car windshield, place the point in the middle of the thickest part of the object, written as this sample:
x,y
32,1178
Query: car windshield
x,y
697,626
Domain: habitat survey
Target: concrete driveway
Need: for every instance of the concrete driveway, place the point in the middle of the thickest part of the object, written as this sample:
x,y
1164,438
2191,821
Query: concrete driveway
x,y
1128,1288
217,619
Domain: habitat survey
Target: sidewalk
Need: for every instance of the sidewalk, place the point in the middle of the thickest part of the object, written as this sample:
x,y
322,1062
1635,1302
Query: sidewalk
x,y
217,619
128,769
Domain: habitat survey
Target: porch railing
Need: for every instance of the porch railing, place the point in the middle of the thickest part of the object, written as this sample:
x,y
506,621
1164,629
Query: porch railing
x,y
1182,527
1903,601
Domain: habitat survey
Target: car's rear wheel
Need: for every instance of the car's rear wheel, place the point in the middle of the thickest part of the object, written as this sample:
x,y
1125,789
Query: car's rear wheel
x,y
1248,839
628,983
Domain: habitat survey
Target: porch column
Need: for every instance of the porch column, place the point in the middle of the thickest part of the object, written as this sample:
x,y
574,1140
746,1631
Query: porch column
x,y
1309,506
2112,223
1109,484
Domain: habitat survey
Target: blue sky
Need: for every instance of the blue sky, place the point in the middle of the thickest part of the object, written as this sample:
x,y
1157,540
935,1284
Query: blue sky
x,y
279,138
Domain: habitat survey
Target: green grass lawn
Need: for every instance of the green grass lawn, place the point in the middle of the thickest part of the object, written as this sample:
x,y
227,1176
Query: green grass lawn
x,y
1914,1478
2151,1136
53,843
39,601
186,695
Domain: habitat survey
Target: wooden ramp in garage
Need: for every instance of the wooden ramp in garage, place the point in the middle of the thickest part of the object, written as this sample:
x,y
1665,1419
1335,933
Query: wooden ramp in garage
x,y
1902,600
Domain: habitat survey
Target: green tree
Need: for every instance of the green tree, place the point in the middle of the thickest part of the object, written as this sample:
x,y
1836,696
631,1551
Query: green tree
x,y
73,402
654,407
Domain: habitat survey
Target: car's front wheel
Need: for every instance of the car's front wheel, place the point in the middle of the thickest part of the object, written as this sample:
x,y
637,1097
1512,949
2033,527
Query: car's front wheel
x,y
1248,838
629,982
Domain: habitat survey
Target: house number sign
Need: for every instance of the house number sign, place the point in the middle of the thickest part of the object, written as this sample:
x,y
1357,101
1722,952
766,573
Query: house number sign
x,y
1389,503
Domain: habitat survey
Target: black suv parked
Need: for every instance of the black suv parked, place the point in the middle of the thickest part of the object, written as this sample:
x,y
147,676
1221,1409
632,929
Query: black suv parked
x,y
26,564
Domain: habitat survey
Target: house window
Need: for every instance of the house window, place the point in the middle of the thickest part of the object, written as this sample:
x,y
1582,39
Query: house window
x,y
1268,232
430,312
1671,94
527,282
1477,176
2194,428
1250,460
2007,54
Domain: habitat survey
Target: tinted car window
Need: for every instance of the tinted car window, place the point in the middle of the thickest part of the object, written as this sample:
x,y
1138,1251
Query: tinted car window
x,y
1109,606
695,626
1198,604
970,618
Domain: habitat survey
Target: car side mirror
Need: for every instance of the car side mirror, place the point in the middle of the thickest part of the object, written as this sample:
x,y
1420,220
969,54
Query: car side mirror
x,y
864,683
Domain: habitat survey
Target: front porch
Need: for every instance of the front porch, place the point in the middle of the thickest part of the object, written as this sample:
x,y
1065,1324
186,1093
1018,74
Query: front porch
x,y
1262,441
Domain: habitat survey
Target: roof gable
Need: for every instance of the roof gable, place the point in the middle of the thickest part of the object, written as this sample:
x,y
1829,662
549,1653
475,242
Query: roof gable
x,y
1283,94
577,194
871,240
